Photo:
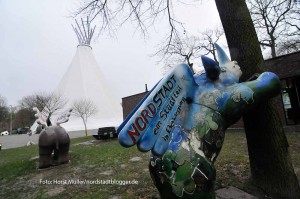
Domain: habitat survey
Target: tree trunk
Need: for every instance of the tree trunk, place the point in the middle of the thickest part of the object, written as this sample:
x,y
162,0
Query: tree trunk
x,y
191,67
273,49
85,129
270,162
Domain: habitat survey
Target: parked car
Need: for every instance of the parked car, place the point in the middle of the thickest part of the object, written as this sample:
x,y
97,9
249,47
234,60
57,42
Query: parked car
x,y
105,133
39,129
4,133
23,130
14,131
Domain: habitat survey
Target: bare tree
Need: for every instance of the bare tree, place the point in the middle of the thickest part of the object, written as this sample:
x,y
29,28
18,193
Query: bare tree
x,y
288,46
273,21
3,107
143,14
51,103
2,101
291,41
209,38
294,19
185,49
3,112
189,48
84,108
23,117
29,102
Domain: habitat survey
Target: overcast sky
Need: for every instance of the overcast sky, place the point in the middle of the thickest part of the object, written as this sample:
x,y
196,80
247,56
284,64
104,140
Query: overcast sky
x,y
38,44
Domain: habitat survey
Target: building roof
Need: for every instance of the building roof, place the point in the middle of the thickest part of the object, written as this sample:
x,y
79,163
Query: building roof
x,y
284,66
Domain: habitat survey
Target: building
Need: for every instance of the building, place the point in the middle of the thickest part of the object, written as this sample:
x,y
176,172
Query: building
x,y
130,102
287,67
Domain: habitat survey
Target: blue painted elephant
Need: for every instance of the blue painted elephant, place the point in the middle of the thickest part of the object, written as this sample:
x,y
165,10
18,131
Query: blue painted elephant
x,y
183,120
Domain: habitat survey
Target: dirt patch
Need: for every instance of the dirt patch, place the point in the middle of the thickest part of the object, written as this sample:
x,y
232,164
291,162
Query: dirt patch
x,y
107,173
115,197
123,166
85,143
135,159
35,181
55,191
146,170
34,158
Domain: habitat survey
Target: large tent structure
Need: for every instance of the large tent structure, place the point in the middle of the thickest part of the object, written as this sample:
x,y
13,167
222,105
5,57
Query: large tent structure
x,y
85,80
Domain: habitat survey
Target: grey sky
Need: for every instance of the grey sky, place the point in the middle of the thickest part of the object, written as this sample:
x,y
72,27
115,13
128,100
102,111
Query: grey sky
x,y
38,44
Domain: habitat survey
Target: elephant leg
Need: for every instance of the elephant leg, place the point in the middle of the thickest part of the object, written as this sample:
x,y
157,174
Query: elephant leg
x,y
55,157
45,156
62,145
63,153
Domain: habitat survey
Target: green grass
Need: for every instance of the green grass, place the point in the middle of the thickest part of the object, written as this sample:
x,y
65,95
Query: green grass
x,y
294,143
88,162
104,160
16,162
233,167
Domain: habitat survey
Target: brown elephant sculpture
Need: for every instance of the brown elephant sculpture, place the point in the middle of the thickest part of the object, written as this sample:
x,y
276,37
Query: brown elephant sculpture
x,y
53,138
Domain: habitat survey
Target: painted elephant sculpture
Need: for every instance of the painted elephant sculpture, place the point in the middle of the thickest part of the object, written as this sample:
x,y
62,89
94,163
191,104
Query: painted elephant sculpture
x,y
53,139
183,120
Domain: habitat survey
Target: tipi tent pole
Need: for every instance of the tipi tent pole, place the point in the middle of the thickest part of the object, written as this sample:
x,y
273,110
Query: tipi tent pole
x,y
80,30
86,38
77,34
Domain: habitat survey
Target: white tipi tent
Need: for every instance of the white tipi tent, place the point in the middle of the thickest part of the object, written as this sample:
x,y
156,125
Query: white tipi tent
x,y
84,80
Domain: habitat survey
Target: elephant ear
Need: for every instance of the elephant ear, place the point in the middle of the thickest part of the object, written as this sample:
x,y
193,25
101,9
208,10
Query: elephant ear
x,y
211,67
64,117
232,69
40,117
222,56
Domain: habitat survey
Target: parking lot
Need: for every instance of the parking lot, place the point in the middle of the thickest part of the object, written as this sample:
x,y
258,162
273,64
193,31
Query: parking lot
x,y
13,141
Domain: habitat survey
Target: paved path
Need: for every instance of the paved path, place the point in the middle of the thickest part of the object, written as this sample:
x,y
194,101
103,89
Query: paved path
x,y
233,193
14,141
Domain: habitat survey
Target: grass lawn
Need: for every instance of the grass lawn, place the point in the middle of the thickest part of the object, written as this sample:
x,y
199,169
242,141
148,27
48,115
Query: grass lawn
x,y
105,160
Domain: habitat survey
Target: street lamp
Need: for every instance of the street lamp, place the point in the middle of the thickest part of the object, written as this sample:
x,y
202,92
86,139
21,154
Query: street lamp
x,y
11,109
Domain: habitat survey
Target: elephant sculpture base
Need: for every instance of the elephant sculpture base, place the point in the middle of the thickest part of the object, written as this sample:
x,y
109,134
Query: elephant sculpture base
x,y
53,139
